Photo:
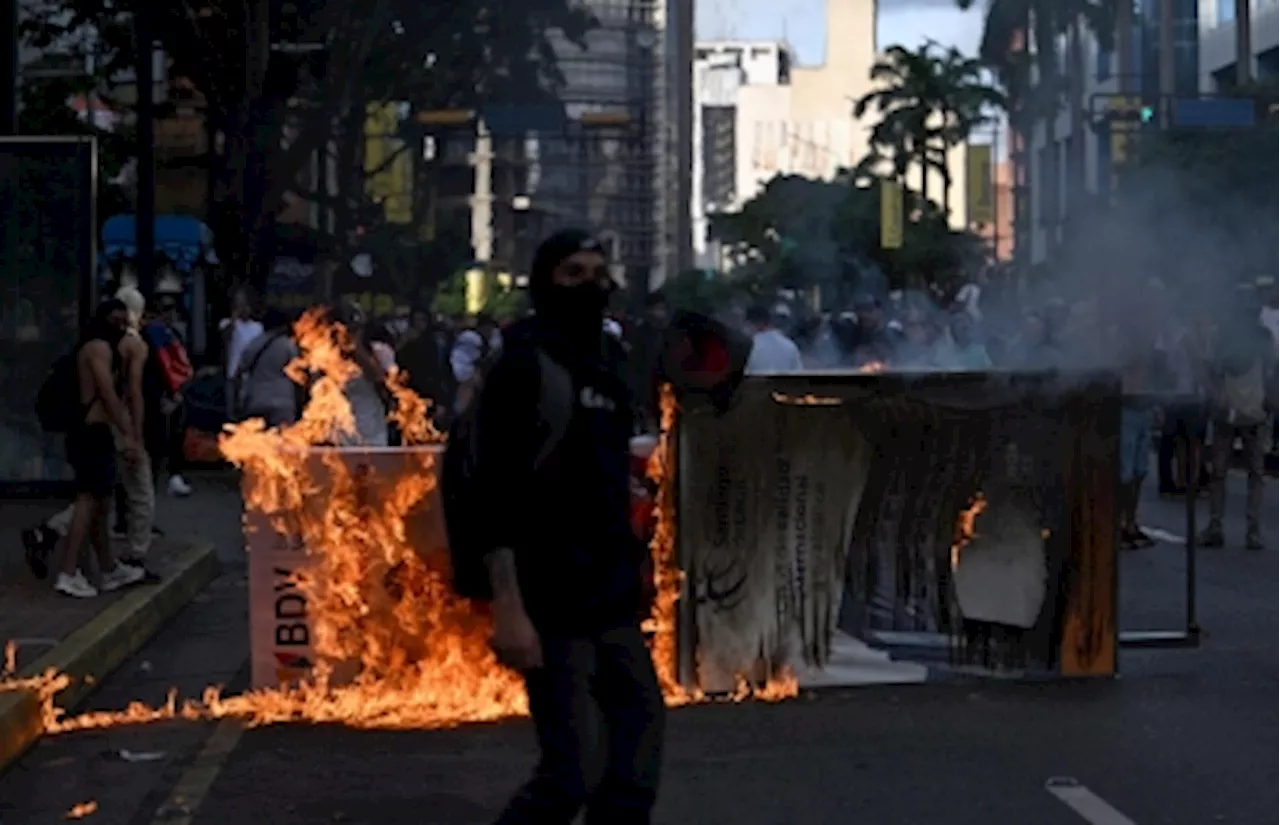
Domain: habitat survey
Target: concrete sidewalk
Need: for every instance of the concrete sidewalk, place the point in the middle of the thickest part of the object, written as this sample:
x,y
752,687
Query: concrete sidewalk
x,y
83,638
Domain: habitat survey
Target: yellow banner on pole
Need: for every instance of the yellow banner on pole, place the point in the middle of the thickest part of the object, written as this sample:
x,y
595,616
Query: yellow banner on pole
x,y
891,214
979,184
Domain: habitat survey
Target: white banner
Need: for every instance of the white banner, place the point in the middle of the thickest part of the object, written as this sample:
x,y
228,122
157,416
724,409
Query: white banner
x,y
280,628
769,495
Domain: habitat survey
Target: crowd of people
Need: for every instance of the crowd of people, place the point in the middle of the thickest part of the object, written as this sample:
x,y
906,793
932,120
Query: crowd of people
x,y
125,429
565,572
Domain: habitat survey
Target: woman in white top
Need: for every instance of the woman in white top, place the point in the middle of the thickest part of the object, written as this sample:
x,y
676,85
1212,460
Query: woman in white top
x,y
238,332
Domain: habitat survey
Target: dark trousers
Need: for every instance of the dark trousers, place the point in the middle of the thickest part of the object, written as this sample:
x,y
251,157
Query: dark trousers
x,y
595,699
166,441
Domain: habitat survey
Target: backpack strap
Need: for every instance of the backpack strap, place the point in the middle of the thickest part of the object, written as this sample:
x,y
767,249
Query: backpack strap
x,y
555,404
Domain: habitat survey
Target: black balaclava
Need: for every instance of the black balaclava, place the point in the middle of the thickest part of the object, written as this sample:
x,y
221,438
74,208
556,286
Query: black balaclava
x,y
573,312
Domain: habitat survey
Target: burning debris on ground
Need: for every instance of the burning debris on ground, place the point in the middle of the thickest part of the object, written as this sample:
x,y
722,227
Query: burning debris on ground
x,y
421,653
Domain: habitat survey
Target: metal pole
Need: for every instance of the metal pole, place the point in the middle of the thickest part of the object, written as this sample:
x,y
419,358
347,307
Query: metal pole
x,y
9,45
1244,42
1192,487
1168,69
145,213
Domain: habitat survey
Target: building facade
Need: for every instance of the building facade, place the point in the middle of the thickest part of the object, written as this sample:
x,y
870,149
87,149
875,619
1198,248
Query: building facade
x,y
758,114
1114,99
1217,39
606,164
720,70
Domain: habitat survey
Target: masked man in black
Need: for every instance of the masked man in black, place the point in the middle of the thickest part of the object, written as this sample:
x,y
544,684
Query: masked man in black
x,y
567,570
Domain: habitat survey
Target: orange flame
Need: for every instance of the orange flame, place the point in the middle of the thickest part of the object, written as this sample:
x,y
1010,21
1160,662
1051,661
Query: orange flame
x,y
966,525
669,581
873,367
81,809
422,652
668,577
10,659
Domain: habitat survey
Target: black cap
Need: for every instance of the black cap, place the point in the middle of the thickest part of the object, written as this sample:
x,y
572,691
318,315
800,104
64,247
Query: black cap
x,y
555,249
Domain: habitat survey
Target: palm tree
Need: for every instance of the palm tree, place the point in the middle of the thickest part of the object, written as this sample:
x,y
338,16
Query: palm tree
x,y
929,101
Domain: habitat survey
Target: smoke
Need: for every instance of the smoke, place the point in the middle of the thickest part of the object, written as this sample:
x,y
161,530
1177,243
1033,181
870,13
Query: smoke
x,y
1179,245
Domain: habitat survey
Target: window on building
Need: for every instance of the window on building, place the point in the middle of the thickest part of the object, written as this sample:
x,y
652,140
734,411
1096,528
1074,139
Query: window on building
x,y
1267,64
1104,59
1226,11
719,153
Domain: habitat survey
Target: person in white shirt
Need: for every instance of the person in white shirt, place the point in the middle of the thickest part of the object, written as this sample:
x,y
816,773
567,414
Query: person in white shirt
x,y
471,351
771,351
241,329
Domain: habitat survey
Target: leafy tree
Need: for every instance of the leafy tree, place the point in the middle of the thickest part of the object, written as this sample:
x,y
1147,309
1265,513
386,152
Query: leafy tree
x,y
275,107
703,291
928,100
504,303
801,234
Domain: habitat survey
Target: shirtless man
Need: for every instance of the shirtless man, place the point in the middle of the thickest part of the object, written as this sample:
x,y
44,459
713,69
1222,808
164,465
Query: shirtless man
x,y
91,452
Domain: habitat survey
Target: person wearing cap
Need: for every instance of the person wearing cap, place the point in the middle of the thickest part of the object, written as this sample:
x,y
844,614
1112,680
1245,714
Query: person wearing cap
x,y
566,569
771,350
873,340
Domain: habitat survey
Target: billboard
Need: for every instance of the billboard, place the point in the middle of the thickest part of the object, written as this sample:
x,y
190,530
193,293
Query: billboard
x,y
47,252
941,520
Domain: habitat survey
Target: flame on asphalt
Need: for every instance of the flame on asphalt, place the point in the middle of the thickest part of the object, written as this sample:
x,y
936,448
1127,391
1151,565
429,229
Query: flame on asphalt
x,y
422,652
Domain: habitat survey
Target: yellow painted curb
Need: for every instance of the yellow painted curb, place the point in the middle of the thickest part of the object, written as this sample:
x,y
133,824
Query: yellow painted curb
x,y
102,644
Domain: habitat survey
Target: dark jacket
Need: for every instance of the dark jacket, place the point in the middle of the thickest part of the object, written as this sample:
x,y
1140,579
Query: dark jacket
x,y
568,520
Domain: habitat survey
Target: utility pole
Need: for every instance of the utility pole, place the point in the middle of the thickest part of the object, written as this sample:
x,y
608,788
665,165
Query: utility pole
x,y
9,45
145,214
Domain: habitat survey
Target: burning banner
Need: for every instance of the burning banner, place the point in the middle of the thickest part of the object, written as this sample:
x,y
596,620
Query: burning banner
x,y
945,519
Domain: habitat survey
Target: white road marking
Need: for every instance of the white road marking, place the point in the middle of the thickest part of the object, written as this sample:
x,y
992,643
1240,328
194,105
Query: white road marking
x,y
1088,805
1164,535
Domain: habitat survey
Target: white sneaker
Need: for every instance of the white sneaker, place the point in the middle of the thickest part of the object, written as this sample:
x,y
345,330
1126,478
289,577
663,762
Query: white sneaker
x,y
122,575
76,586
178,486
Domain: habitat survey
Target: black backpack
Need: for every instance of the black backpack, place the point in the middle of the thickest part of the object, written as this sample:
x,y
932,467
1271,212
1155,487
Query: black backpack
x,y
462,486
58,402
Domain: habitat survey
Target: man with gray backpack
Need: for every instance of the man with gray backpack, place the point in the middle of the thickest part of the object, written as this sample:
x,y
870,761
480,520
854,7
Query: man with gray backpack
x,y
1242,399
536,490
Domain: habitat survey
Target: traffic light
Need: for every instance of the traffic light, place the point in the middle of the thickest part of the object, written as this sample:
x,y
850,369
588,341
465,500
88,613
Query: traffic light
x,y
1148,114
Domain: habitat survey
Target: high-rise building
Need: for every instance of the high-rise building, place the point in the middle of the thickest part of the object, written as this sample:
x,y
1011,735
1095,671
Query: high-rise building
x,y
720,70
1218,42
1121,93
756,106
606,164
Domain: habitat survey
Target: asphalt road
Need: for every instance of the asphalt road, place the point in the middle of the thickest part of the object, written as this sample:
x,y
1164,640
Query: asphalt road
x,y
1184,737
